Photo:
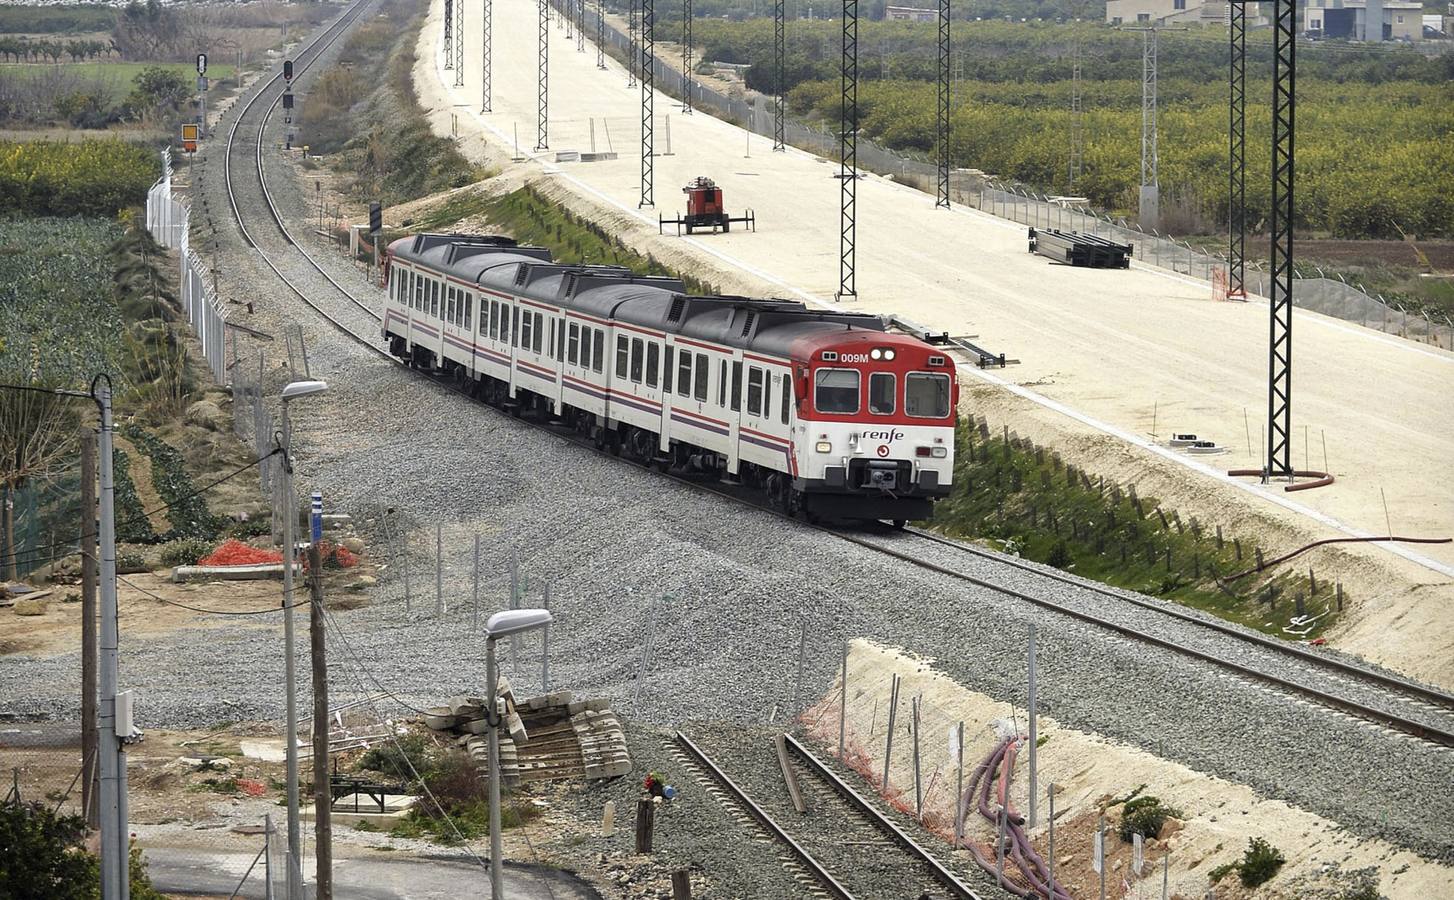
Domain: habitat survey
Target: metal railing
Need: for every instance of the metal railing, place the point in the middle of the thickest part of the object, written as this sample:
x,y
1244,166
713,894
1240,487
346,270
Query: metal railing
x,y
168,219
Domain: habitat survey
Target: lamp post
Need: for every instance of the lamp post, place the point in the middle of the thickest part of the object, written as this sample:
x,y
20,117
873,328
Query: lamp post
x,y
294,391
501,624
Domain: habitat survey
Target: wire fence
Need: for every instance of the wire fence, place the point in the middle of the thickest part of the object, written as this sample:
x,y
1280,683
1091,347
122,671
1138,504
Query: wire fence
x,y
1334,296
168,218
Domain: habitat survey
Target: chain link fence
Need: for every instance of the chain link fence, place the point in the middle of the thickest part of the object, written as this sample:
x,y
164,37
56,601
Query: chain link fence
x,y
1330,296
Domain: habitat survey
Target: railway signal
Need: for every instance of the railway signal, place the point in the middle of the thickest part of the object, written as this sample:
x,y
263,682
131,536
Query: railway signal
x,y
287,70
201,64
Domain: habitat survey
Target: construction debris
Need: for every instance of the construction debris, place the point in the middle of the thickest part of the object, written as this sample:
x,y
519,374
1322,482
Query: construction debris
x,y
546,738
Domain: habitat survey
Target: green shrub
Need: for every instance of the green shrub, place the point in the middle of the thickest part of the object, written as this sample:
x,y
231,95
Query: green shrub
x,y
1145,816
130,563
1260,863
86,178
186,508
396,758
185,552
1059,555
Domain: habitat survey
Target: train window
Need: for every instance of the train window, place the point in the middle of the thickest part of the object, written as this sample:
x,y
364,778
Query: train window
x,y
525,329
539,331
836,391
585,346
494,317
666,370
881,393
684,375
722,384
573,343
469,307
638,360
926,396
754,391
598,340
449,304
623,356
766,393
653,364
514,325
419,293
787,393
553,324
736,385
701,379
434,299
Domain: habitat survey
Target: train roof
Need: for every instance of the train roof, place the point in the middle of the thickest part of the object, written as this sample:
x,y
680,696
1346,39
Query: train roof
x,y
771,327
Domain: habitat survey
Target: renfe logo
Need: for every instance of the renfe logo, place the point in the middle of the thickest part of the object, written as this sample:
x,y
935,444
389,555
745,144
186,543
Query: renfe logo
x,y
888,436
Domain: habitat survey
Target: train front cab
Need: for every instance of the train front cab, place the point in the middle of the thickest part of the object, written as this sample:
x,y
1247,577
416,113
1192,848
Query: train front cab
x,y
874,436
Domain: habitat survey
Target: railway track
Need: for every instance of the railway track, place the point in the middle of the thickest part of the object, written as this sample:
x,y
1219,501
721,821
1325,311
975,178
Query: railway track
x,y
1385,700
843,846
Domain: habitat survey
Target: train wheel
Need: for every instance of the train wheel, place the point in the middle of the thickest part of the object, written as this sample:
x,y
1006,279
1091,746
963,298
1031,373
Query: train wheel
x,y
900,523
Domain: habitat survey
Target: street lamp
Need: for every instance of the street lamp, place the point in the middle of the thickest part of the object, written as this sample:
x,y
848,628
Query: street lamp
x,y
501,624
297,390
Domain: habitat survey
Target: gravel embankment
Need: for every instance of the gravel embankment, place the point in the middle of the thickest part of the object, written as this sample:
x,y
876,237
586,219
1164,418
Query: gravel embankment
x,y
723,589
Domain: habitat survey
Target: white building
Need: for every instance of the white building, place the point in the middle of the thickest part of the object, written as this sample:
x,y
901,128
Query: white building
x,y
1402,19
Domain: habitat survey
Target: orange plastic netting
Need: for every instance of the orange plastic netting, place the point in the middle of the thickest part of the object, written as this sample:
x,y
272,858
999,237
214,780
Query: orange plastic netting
x,y
236,553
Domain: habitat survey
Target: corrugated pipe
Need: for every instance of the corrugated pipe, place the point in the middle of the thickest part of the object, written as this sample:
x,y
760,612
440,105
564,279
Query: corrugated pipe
x,y
1347,540
1032,867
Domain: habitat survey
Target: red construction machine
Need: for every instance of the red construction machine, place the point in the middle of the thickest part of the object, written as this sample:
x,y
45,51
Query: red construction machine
x,y
704,209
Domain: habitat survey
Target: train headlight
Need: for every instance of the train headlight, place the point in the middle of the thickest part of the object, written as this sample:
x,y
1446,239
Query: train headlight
x,y
875,353
888,354
824,447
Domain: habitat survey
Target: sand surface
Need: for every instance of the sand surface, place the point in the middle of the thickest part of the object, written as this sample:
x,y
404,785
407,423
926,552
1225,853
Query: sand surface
x,y
1108,356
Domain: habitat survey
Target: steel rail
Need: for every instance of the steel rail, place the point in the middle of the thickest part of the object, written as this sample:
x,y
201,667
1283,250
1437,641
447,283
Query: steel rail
x,y
1409,726
956,887
1429,694
1400,723
814,868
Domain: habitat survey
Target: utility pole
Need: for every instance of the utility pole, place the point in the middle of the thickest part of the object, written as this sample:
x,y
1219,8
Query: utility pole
x,y
687,58
542,83
779,42
322,790
848,155
486,49
89,739
1149,210
942,196
648,100
1033,713
115,853
1077,121
459,44
1237,150
1279,387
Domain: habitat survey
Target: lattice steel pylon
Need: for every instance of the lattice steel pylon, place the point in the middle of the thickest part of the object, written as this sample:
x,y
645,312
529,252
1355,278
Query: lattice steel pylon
x,y
1279,358
459,44
1237,151
600,34
633,52
648,113
1149,209
942,199
779,54
1077,118
580,26
542,94
567,18
848,154
448,34
686,57
486,50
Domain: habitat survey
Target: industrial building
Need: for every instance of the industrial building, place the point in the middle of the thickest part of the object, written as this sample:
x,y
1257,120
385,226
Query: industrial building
x,y
1402,19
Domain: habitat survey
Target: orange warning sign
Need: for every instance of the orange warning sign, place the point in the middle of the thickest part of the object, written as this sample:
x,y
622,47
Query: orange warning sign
x,y
189,138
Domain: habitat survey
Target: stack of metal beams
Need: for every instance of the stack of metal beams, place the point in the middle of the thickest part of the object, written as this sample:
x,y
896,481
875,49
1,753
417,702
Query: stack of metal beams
x,y
1078,249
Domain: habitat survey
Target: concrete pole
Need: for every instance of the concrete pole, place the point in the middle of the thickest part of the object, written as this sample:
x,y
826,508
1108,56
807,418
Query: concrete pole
x,y
1034,773
492,718
89,743
322,790
290,517
475,603
115,858
959,791
545,647
268,857
438,570
1050,850
843,705
918,783
889,744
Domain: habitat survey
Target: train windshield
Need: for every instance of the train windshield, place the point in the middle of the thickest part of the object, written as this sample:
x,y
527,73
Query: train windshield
x,y
926,396
836,391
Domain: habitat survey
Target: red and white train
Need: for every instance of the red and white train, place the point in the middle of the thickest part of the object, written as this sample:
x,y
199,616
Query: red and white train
x,y
830,414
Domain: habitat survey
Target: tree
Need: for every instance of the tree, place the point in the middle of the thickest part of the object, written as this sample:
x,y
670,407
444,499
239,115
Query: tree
x,y
42,855
158,89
